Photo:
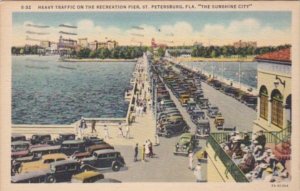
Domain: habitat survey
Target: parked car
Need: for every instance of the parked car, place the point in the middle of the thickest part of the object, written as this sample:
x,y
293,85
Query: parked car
x,y
40,151
62,171
40,139
104,159
90,150
17,137
30,177
185,144
203,103
172,129
92,140
64,137
43,163
19,149
72,146
87,177
212,111
203,128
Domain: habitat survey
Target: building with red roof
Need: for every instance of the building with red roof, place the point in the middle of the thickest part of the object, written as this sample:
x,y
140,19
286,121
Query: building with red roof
x,y
281,56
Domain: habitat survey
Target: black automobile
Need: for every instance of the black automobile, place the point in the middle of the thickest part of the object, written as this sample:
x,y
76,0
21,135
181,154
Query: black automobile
x,y
40,139
17,137
30,177
64,137
72,146
62,171
172,129
104,159
92,140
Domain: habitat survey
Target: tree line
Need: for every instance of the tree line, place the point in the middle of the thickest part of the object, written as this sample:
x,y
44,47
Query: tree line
x,y
122,52
226,51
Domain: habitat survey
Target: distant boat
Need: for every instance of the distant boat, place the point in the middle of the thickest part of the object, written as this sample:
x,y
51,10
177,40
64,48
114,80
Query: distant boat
x,y
67,67
37,67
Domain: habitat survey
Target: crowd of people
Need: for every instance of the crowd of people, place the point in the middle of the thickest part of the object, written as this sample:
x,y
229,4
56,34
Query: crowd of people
x,y
254,159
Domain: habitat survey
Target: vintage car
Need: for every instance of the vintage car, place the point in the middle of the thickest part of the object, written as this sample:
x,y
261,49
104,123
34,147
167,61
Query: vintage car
x,y
87,177
191,105
40,151
203,128
40,139
64,137
197,115
92,140
172,119
203,103
104,159
30,177
43,163
185,144
18,137
212,111
170,115
90,150
166,113
62,171
72,146
183,99
219,121
19,149
172,129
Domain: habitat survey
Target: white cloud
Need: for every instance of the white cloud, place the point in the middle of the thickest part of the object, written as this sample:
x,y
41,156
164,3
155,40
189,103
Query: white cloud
x,y
179,32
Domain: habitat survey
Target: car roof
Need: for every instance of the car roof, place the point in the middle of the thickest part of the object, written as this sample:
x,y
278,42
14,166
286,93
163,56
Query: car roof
x,y
87,174
104,151
62,162
67,134
20,142
54,155
45,148
42,134
24,176
186,135
17,135
72,142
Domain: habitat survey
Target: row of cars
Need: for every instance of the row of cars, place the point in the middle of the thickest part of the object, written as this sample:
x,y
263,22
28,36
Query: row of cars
x,y
48,161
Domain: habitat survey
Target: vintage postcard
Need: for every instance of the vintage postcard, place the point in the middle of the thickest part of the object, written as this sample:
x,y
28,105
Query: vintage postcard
x,y
149,95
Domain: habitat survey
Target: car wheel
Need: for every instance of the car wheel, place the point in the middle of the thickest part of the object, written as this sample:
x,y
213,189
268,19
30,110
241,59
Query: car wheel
x,y
168,135
51,179
116,167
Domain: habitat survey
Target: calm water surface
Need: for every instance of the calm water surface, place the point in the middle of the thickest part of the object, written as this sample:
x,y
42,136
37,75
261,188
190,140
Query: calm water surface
x,y
45,91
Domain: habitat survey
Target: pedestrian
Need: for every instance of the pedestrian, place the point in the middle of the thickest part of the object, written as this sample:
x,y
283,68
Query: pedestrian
x,y
143,153
136,152
156,140
145,109
120,130
94,126
147,151
198,173
127,135
106,134
133,117
150,149
191,160
82,126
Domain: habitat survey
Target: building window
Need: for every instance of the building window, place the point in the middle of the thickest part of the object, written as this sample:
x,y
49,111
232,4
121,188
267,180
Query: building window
x,y
263,96
277,109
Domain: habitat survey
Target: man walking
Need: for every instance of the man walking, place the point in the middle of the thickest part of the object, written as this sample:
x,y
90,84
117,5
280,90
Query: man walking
x,y
82,126
136,152
127,135
191,160
94,126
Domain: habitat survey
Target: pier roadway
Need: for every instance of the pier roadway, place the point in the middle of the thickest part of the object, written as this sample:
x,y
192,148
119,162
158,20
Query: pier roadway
x,y
234,112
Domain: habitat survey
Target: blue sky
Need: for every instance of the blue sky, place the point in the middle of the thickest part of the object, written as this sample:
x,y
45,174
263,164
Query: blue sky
x,y
200,24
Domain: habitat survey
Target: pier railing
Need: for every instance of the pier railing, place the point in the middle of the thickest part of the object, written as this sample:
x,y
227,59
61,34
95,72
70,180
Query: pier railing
x,y
214,140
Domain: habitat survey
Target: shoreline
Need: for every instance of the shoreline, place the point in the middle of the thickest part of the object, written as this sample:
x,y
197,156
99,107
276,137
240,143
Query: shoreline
x,y
95,60
202,59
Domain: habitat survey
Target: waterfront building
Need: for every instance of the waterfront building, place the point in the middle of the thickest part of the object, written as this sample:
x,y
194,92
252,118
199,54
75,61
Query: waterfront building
x,y
66,46
274,110
45,43
111,44
93,45
83,42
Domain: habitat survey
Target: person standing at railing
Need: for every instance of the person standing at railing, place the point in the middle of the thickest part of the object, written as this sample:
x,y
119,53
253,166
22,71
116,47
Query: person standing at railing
x,y
94,126
82,126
